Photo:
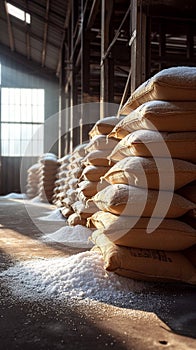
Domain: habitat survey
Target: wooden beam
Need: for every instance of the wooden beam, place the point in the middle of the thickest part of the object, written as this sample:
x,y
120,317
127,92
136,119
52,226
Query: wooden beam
x,y
10,32
27,29
66,22
117,34
85,67
45,33
36,15
93,13
28,45
106,13
138,44
32,66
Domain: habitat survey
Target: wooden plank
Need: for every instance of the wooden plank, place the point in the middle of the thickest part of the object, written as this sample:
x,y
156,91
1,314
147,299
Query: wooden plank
x,y
10,32
93,13
138,45
45,33
105,74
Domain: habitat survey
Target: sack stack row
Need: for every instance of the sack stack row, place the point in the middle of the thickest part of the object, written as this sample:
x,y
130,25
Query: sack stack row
x,y
95,164
48,171
74,170
151,187
33,178
60,183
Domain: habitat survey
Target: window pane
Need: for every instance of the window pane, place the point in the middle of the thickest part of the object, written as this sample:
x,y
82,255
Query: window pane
x,y
22,106
4,96
17,97
4,132
26,132
5,113
26,148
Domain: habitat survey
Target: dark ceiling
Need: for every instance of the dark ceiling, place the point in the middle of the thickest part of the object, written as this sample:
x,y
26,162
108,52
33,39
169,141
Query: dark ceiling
x,y
40,41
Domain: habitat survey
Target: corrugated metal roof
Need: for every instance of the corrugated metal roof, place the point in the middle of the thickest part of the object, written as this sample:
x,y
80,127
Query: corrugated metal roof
x,y
40,40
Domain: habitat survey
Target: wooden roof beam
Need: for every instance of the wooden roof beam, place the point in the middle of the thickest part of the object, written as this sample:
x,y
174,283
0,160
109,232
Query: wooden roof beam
x,y
93,13
10,32
45,33
67,17
36,15
28,40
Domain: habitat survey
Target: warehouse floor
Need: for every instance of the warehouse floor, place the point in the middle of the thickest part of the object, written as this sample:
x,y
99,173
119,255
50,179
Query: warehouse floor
x,y
74,324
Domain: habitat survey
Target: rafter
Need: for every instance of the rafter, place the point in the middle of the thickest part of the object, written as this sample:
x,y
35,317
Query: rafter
x,y
45,33
10,32
67,16
20,26
93,13
28,40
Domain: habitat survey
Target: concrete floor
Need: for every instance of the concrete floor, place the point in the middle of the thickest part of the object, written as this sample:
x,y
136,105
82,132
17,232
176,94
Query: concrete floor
x,y
76,324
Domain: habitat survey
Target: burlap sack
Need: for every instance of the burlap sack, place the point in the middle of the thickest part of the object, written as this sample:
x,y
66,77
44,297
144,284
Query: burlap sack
x,y
148,143
73,183
84,210
77,172
34,168
172,84
90,188
132,201
98,158
158,115
190,254
75,219
171,235
67,201
66,211
189,191
93,173
103,126
144,264
100,142
78,152
152,173
72,194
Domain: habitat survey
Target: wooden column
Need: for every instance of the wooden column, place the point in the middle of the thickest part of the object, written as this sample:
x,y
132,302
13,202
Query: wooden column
x,y
85,66
138,44
62,105
107,71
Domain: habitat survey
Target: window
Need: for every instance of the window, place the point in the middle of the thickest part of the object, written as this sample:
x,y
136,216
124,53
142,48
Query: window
x,y
20,14
22,122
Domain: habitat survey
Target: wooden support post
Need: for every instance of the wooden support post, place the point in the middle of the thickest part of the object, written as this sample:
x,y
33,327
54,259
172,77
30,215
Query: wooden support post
x,y
10,32
162,44
62,106
106,75
85,67
138,45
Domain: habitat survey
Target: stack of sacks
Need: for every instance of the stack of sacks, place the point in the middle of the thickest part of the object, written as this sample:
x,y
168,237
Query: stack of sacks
x,y
33,179
140,232
73,171
59,190
95,165
48,171
80,210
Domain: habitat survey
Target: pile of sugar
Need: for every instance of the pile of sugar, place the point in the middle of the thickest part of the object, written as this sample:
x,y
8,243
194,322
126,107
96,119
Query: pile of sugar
x,y
14,195
55,215
35,200
80,276
77,236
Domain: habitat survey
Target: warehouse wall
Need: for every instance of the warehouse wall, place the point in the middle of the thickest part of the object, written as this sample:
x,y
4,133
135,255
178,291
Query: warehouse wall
x,y
18,74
